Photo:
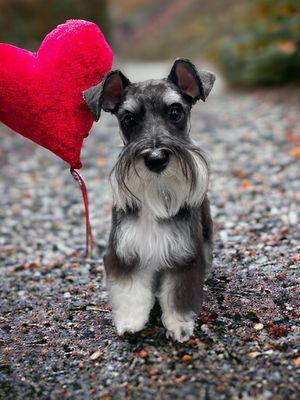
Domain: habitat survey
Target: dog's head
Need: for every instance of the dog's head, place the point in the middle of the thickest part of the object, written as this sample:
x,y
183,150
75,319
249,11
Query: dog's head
x,y
159,164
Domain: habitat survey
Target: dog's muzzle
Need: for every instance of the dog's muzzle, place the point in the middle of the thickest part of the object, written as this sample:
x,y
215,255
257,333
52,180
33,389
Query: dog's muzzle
x,y
157,160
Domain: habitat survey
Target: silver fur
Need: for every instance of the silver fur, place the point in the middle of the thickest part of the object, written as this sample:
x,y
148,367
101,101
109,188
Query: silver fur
x,y
160,245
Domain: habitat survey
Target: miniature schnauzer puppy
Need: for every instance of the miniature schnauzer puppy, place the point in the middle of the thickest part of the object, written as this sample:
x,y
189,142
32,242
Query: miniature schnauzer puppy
x,y
160,244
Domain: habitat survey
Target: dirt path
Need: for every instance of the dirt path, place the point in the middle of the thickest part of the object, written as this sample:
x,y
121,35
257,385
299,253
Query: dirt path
x,y
56,335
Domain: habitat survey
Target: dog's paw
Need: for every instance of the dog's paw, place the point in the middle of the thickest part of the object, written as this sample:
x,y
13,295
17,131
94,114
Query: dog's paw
x,y
129,323
178,329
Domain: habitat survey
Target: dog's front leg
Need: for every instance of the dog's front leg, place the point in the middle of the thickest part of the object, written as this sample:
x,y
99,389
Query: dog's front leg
x,y
132,299
180,297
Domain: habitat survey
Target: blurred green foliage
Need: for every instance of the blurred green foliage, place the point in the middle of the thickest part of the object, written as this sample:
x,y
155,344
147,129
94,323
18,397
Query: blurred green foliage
x,y
267,48
255,42
26,22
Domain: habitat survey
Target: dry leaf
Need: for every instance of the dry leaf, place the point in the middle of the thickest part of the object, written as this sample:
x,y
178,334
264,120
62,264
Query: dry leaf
x,y
101,161
280,276
296,362
182,378
143,353
296,257
286,46
259,177
240,172
246,184
295,152
193,341
292,138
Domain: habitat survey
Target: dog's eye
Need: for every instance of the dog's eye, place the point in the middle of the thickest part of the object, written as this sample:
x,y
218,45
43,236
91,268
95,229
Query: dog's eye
x,y
129,121
176,113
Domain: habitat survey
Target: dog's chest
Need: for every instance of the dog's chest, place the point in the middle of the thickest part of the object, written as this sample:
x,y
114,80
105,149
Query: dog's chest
x,y
155,244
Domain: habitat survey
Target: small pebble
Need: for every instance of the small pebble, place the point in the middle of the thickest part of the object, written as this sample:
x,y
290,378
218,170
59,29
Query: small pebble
x,y
96,355
254,354
259,326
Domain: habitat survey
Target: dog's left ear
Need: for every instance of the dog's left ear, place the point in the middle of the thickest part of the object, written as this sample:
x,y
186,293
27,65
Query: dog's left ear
x,y
107,95
193,83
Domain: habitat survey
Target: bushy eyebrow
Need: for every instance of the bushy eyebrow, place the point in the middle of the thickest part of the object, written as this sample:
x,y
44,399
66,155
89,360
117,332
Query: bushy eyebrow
x,y
129,105
170,97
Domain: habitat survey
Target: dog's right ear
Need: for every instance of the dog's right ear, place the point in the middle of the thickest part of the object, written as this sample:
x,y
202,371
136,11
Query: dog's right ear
x,y
107,95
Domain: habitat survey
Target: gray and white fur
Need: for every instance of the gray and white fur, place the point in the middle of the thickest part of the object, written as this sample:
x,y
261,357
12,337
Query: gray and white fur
x,y
160,244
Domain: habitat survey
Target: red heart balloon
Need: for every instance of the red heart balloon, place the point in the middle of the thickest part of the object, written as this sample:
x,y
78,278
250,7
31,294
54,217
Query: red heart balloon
x,y
41,93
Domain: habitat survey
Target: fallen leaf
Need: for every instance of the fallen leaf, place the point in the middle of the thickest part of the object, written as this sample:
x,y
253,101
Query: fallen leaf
x,y
152,371
277,331
207,318
33,178
182,378
296,257
295,152
296,362
101,161
240,172
246,184
286,46
89,286
292,138
193,341
143,353
297,196
280,276
259,177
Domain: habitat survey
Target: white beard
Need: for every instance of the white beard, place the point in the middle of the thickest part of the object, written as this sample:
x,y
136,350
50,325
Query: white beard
x,y
162,194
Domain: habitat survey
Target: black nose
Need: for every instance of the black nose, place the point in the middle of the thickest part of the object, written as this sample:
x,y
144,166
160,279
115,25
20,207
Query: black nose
x,y
157,160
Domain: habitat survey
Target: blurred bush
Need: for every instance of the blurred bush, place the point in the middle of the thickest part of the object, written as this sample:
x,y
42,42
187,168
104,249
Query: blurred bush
x,y
26,22
267,49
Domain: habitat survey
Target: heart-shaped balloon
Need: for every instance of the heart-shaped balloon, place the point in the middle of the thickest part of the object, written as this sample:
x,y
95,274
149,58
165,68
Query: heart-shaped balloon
x,y
41,93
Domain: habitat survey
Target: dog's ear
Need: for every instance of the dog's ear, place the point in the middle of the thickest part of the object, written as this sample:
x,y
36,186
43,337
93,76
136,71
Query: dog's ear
x,y
107,95
193,83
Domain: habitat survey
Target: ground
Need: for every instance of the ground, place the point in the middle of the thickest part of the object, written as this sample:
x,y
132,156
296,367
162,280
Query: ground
x,y
56,333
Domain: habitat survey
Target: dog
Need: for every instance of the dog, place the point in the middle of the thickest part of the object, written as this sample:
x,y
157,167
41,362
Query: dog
x,y
161,239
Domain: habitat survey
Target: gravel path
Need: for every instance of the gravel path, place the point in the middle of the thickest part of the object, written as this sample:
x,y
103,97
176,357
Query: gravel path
x,y
56,335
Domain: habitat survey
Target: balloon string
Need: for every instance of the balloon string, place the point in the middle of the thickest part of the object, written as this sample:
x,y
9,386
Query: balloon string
x,y
89,235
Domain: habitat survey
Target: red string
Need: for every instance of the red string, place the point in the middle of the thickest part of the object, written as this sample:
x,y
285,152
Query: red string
x,y
89,235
